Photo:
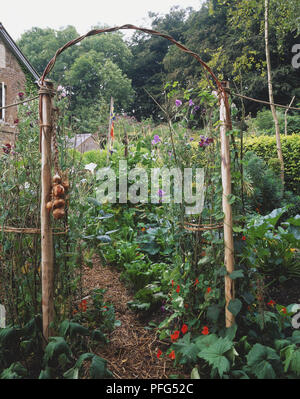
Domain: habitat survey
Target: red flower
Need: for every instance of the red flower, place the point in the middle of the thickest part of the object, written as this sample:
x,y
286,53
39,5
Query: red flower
x,y
178,289
244,238
83,305
172,283
184,329
16,121
271,303
196,282
172,355
159,353
205,330
283,310
208,290
175,336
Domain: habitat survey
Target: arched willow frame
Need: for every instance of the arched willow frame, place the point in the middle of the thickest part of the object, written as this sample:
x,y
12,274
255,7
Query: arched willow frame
x,y
45,108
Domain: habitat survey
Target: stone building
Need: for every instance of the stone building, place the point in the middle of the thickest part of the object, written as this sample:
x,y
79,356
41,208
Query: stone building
x,y
13,63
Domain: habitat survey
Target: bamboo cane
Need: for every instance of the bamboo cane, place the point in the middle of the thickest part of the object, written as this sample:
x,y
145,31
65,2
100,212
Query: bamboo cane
x,y
109,128
226,183
46,230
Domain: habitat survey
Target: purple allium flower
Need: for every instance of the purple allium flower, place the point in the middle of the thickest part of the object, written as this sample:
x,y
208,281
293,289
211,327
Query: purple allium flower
x,y
191,138
156,139
170,153
191,103
178,103
162,308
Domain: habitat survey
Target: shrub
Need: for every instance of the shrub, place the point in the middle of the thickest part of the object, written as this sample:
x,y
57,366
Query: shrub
x,y
265,147
267,187
264,123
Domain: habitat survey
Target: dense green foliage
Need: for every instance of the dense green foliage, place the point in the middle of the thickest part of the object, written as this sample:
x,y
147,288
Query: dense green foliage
x,y
171,261
265,148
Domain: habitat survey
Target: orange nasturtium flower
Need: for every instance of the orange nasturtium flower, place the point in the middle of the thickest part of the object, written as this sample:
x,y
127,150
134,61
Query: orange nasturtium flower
x,y
172,355
205,330
159,353
83,305
175,336
143,229
184,329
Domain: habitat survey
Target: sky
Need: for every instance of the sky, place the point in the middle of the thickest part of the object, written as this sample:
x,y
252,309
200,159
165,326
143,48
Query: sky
x,y
22,15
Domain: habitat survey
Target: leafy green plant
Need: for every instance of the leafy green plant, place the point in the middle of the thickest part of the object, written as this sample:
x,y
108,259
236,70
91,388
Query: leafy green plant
x,y
271,249
23,354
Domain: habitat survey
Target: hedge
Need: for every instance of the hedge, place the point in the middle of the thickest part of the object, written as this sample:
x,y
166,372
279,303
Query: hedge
x,y
265,147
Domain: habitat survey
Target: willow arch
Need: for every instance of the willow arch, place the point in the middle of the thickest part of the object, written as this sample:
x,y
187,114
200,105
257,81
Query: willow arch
x,y
45,109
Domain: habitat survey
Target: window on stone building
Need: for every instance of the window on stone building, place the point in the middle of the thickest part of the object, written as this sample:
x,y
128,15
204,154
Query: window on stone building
x,y
2,101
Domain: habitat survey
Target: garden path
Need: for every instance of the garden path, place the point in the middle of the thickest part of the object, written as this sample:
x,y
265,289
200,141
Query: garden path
x,y
132,350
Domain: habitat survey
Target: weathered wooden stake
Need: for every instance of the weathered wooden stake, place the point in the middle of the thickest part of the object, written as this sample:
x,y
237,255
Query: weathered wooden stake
x,y
125,142
46,230
109,128
226,183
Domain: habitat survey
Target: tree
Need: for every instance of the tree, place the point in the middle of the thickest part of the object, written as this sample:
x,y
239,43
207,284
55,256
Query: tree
x,y
270,88
148,71
92,71
93,80
39,46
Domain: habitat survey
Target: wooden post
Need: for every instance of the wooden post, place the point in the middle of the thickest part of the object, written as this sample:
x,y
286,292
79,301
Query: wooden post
x,y
125,142
109,128
285,116
226,183
46,230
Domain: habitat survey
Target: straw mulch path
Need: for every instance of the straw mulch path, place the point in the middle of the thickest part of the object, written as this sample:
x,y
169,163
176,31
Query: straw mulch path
x,y
131,352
